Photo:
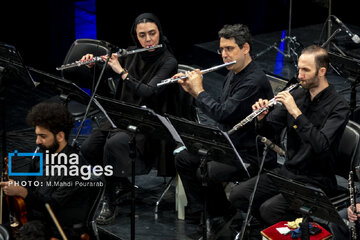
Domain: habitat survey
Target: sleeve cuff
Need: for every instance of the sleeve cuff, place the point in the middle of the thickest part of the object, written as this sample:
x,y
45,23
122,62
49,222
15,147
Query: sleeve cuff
x,y
201,96
299,121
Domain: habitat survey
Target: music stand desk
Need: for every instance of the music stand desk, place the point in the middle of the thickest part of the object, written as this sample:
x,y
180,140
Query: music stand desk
x,y
308,197
198,137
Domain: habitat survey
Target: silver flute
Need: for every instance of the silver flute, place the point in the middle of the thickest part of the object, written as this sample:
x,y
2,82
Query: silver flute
x,y
352,192
36,150
120,53
249,118
173,80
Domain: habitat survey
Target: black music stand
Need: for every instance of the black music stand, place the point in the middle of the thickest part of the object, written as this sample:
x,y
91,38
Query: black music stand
x,y
308,200
210,144
68,90
135,120
348,68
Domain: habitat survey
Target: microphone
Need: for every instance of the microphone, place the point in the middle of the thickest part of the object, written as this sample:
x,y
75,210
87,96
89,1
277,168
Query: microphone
x,y
354,37
273,146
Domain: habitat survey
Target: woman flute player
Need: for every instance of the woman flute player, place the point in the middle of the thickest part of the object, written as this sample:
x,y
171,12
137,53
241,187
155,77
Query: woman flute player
x,y
139,74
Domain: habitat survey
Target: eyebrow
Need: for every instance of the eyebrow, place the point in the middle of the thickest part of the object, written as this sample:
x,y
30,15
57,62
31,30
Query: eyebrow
x,y
41,135
151,30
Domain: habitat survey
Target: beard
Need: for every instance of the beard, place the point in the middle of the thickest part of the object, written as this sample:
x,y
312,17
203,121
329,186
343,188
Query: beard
x,y
311,83
52,148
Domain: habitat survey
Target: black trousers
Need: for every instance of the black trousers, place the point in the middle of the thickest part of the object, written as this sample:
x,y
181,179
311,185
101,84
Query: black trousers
x,y
104,147
341,232
187,166
269,205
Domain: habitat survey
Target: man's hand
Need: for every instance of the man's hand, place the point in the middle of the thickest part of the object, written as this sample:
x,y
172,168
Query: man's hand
x,y
260,104
288,101
193,83
11,189
353,216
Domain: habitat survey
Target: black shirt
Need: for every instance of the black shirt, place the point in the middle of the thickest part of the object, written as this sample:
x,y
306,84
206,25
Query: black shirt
x,y
313,137
70,203
240,91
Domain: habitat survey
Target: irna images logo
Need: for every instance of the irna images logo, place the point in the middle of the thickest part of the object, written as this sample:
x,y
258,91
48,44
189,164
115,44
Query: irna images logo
x,y
60,164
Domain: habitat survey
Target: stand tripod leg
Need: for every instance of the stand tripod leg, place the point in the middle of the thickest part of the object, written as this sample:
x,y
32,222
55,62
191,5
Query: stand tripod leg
x,y
168,185
240,235
132,154
204,184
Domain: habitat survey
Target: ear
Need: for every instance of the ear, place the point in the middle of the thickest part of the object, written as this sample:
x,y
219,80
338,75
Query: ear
x,y
60,136
322,72
246,48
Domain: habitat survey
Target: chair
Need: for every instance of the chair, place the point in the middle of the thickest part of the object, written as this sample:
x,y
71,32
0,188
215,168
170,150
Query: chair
x,y
96,193
347,160
4,234
83,76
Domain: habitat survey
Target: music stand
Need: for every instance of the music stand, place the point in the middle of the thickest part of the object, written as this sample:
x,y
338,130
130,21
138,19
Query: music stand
x,y
308,200
209,143
11,60
68,90
348,68
134,120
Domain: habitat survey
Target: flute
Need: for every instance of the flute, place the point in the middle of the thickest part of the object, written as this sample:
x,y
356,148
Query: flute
x,y
249,118
120,53
173,80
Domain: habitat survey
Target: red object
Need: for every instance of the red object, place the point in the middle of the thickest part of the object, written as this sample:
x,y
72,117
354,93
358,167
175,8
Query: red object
x,y
16,205
273,234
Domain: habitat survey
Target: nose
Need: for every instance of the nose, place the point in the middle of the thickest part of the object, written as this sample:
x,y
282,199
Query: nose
x,y
148,37
38,140
300,75
224,53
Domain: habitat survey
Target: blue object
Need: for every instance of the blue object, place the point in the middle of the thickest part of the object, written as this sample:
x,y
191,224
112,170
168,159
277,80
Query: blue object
x,y
85,19
86,129
279,63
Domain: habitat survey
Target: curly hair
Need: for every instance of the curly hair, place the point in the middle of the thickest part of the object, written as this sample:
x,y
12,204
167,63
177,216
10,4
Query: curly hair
x,y
32,230
239,32
52,116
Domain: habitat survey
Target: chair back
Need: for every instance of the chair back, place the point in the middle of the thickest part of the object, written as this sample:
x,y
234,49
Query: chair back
x,y
82,76
348,150
4,234
346,161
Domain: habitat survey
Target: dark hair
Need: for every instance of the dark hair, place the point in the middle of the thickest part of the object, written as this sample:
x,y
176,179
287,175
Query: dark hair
x,y
321,56
146,18
239,32
53,116
32,230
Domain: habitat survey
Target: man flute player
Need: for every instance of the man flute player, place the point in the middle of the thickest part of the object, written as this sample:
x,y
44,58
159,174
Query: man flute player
x,y
243,85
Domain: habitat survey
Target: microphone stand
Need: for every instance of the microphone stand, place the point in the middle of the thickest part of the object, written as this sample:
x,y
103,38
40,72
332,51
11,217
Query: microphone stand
x,y
91,100
240,235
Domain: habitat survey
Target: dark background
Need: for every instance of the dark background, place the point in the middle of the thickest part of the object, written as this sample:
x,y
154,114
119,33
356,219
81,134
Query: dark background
x,y
44,30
